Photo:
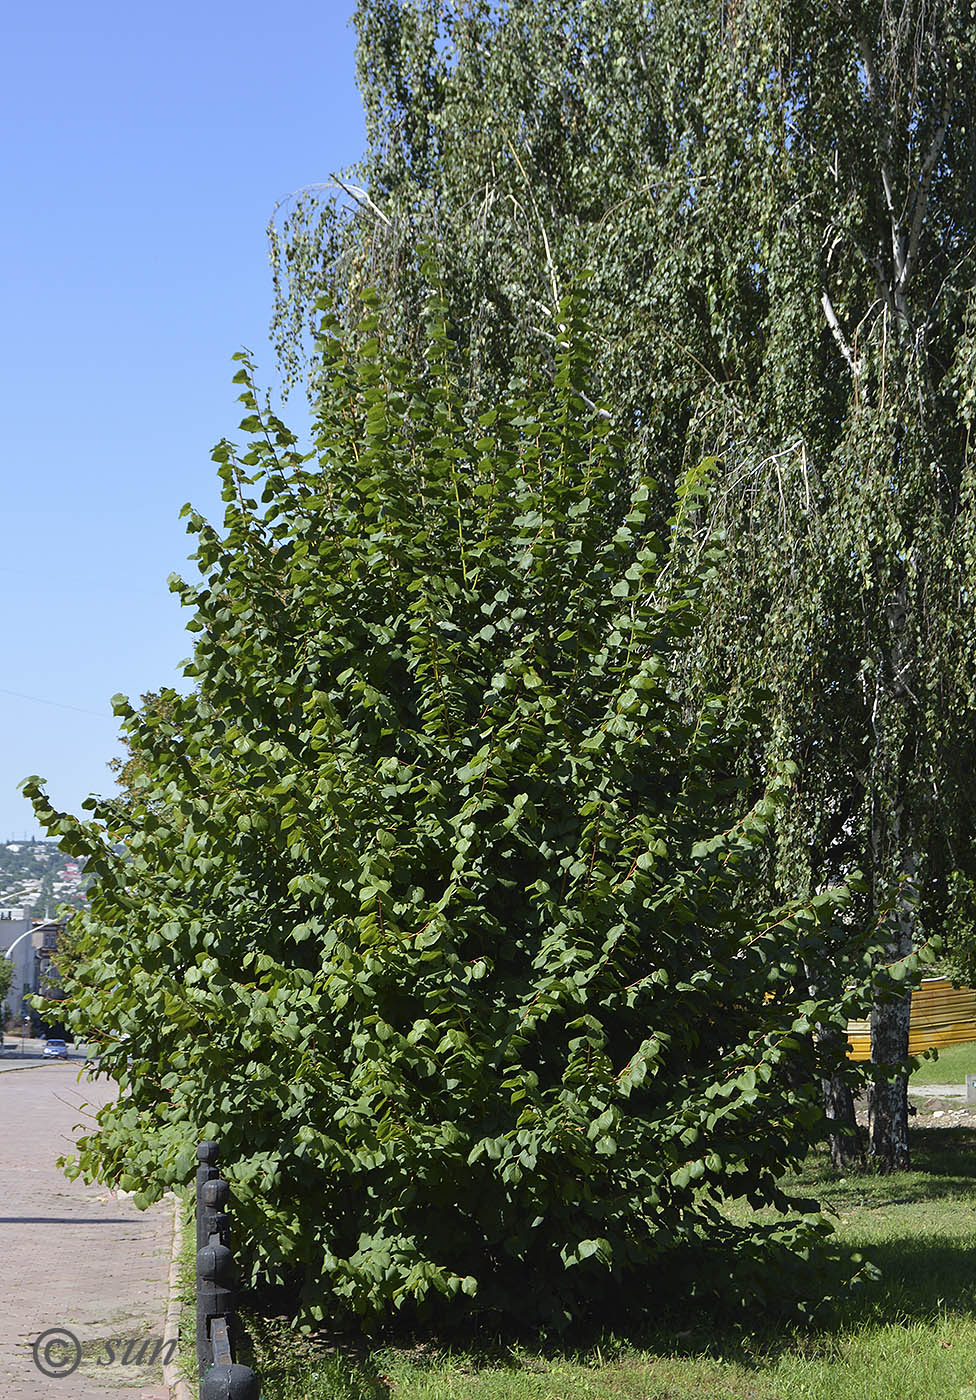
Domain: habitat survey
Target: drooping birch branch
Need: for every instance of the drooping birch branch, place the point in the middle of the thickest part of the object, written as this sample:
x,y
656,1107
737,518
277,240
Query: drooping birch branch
x,y
838,334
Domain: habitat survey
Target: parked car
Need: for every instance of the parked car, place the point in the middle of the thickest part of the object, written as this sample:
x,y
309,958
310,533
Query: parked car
x,y
56,1050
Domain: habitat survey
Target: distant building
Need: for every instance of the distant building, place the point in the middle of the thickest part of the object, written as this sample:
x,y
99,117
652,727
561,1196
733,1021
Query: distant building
x,y
38,939
14,923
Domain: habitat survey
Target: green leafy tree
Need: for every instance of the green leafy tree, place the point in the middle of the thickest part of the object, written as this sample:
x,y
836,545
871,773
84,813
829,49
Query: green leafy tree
x,y
127,770
6,977
777,204
436,900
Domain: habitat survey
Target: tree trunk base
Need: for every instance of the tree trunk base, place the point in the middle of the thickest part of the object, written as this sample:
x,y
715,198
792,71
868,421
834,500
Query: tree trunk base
x,y
888,1125
846,1141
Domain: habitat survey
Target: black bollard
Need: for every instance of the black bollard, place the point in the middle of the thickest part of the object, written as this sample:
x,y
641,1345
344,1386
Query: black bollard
x,y
230,1383
206,1171
221,1378
212,1215
215,1296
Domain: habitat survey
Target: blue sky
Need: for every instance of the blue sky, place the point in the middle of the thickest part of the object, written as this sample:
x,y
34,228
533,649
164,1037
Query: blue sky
x,y
143,154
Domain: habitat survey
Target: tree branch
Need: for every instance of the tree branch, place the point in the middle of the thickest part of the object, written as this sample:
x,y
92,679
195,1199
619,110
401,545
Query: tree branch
x,y
925,179
832,321
898,241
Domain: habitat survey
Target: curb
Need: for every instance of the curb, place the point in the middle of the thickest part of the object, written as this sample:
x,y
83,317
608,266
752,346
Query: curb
x,y
15,1069
179,1386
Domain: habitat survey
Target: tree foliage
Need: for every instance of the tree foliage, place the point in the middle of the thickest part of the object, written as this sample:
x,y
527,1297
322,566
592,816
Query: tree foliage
x,y
436,900
777,204
6,977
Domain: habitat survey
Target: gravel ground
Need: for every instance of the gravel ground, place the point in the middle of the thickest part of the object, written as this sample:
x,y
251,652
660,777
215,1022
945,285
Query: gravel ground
x,y
933,1106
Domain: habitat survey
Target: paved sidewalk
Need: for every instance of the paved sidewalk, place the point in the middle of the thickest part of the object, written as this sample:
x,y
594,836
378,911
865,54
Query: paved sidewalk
x,y
72,1256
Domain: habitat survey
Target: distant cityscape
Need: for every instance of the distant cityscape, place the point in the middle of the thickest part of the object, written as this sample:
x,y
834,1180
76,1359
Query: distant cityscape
x,y
36,875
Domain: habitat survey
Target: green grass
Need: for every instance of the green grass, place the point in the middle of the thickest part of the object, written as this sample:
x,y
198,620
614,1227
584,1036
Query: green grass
x,y
186,1359
911,1335
952,1066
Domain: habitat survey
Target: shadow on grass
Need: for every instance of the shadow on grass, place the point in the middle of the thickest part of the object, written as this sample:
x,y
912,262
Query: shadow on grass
x,y
323,1367
865,1194
927,1271
920,1279
943,1167
944,1151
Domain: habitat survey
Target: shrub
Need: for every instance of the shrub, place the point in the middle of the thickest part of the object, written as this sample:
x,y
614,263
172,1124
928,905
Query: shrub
x,y
435,901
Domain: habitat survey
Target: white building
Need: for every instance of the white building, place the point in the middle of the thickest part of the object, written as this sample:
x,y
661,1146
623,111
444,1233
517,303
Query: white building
x,y
31,943
13,924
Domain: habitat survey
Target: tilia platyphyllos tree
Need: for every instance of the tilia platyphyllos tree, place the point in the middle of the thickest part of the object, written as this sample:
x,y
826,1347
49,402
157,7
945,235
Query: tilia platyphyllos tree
x,y
436,900
778,204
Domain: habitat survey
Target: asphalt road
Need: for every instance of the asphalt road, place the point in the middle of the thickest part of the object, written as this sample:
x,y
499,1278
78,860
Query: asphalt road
x,y
28,1050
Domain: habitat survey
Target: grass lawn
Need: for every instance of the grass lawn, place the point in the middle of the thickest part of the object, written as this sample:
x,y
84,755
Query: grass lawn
x,y
952,1066
186,1359
909,1336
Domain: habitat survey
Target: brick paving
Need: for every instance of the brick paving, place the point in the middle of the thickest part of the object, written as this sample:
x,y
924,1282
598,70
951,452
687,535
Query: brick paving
x,y
72,1256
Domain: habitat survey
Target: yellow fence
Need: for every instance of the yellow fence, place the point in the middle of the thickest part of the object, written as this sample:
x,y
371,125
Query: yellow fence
x,y
941,1015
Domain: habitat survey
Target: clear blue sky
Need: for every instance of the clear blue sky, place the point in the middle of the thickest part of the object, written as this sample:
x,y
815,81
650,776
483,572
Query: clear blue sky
x,y
143,153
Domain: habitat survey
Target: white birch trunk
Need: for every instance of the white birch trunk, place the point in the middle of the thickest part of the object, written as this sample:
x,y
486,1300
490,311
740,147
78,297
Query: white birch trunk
x,y
888,1099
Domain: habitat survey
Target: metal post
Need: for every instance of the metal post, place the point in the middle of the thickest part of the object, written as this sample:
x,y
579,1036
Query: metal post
x,y
207,1156
230,1383
215,1296
216,1289
214,1220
